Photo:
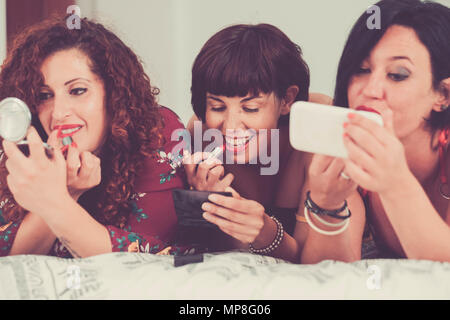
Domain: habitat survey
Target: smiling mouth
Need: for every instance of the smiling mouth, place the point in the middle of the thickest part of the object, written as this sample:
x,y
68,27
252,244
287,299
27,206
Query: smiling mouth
x,y
67,130
235,145
236,141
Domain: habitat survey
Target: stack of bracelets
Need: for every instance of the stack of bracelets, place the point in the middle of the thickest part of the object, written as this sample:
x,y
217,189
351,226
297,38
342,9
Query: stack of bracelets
x,y
275,243
316,211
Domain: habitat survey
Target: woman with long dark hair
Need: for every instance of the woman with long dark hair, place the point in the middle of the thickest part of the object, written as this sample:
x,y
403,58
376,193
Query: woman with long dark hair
x,y
393,188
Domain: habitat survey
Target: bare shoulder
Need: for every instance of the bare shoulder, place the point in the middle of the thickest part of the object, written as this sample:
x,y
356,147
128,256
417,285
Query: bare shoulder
x,y
320,98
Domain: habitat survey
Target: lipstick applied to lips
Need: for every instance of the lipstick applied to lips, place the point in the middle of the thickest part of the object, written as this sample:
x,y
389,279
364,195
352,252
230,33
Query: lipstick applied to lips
x,y
65,132
368,109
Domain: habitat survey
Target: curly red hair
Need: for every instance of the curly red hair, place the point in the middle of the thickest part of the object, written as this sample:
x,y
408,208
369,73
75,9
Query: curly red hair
x,y
134,122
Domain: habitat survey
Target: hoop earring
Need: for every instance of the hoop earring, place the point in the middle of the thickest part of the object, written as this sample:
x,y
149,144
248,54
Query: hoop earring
x,y
442,191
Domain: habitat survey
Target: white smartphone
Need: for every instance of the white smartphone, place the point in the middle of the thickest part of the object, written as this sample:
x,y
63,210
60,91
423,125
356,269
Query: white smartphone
x,y
318,128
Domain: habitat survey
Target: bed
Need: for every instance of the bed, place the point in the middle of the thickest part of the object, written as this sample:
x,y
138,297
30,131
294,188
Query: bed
x,y
230,275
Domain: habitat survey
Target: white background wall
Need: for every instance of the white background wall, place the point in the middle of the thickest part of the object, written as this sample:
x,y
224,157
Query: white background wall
x,y
168,34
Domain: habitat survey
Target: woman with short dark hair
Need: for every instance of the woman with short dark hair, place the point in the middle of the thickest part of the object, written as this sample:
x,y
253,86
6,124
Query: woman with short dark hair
x,y
401,169
244,82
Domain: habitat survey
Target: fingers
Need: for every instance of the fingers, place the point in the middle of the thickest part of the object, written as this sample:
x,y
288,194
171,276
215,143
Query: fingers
x,y
73,163
205,174
90,166
193,159
233,192
358,155
215,173
335,168
233,216
226,182
191,165
12,166
357,174
53,140
364,139
37,151
242,205
319,164
58,157
205,167
376,131
328,167
238,231
12,152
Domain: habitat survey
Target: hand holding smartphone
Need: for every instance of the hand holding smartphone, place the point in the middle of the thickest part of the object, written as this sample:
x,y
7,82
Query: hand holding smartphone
x,y
188,206
318,128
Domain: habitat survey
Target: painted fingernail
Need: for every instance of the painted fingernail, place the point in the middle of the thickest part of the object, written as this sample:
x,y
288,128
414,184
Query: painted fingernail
x,y
345,124
212,197
206,206
351,115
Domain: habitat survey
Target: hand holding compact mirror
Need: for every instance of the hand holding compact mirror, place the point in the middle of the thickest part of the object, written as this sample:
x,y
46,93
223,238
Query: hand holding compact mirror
x,y
15,119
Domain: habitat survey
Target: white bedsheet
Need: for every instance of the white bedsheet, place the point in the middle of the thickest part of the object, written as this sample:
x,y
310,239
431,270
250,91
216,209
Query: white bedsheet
x,y
230,275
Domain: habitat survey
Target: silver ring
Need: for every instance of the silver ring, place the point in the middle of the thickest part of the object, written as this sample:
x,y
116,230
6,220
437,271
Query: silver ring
x,y
344,176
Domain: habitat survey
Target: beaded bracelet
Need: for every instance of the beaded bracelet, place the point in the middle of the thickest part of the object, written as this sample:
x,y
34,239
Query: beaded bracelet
x,y
275,243
314,208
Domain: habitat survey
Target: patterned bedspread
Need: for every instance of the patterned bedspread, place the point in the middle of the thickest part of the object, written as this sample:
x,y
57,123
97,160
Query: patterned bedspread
x,y
230,275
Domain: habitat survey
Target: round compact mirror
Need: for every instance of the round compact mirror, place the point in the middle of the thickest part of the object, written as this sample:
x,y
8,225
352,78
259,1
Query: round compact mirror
x,y
15,119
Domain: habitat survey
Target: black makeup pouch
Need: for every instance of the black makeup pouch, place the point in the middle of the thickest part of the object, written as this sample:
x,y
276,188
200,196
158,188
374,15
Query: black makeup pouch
x,y
192,228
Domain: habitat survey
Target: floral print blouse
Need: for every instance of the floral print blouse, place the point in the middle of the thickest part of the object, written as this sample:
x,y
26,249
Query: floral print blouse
x,y
151,225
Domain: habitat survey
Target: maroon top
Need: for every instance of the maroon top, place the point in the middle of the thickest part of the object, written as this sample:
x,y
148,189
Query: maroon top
x,y
151,225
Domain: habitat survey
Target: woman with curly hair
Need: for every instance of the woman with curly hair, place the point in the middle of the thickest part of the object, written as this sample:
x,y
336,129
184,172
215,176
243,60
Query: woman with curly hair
x,y
109,188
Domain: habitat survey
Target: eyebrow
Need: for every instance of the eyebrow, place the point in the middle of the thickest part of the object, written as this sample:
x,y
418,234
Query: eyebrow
x,y
401,58
243,100
250,98
73,80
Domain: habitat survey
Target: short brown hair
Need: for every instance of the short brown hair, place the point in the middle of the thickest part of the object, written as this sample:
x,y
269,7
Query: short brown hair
x,y
243,59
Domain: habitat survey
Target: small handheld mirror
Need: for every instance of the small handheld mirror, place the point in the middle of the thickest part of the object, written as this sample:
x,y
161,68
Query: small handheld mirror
x,y
15,119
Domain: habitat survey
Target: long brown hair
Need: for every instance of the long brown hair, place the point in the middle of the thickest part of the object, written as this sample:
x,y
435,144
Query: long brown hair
x,y
134,122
